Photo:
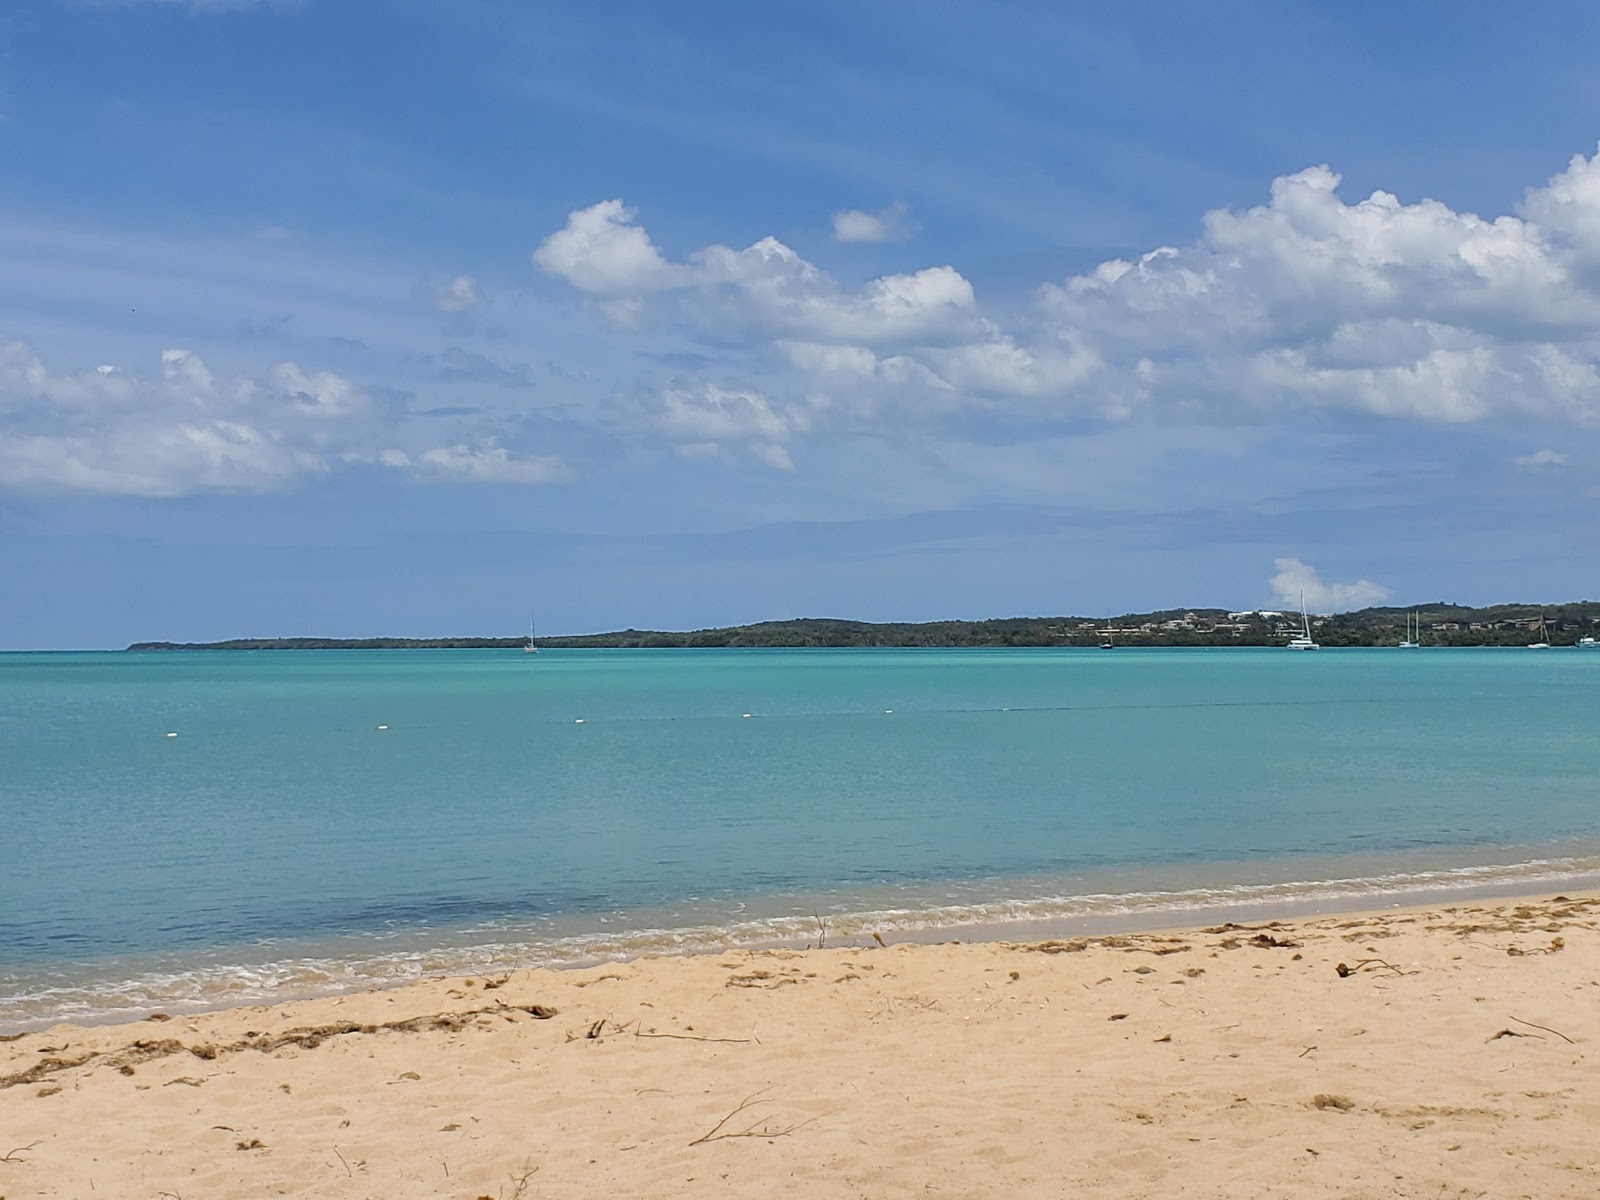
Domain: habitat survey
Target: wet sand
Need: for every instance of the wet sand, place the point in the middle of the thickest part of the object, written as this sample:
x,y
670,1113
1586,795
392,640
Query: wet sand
x,y
1452,1057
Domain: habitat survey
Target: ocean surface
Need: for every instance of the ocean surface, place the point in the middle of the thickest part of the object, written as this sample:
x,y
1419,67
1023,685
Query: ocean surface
x,y
326,820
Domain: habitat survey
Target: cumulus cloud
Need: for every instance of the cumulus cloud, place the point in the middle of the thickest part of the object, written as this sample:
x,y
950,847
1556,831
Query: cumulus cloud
x,y
1403,310
765,287
601,251
704,421
1297,581
892,224
183,429
1409,311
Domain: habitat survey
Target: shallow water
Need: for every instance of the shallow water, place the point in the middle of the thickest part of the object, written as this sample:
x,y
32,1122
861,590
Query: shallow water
x,y
283,843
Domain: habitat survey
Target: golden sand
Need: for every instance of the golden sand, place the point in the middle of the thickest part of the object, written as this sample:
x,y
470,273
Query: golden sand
x,y
1453,1056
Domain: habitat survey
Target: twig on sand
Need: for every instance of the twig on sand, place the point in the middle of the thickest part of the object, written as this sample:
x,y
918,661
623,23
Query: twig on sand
x,y
11,1155
346,1165
1547,1029
1370,964
519,1183
822,930
695,1037
720,1132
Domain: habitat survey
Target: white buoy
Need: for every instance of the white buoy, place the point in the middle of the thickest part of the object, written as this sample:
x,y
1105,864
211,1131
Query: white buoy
x,y
887,711
579,721
746,716
172,735
383,727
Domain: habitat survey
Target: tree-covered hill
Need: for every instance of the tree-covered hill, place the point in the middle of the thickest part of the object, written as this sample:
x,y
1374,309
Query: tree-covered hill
x,y
1443,624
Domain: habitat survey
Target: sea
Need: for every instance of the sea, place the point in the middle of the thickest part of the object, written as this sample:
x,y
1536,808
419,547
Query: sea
x,y
190,830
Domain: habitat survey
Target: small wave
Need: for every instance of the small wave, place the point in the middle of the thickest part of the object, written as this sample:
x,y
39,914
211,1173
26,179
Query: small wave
x,y
87,993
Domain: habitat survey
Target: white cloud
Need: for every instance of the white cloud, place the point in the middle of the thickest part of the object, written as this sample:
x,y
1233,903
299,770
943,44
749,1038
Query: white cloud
x,y
601,251
712,414
460,294
1405,311
891,224
1297,581
1412,311
765,287
1541,460
488,464
704,421
185,429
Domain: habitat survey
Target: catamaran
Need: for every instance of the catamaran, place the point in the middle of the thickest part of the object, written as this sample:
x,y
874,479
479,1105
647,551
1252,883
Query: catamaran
x,y
533,644
1302,640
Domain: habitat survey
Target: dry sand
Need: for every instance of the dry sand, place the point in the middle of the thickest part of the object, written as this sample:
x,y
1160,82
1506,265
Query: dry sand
x,y
1456,1059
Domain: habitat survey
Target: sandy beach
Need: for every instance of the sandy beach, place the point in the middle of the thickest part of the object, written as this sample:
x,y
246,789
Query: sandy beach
x,y
1452,1054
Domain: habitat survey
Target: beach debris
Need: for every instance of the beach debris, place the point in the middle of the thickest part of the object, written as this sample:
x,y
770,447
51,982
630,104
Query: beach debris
x,y
1511,1033
306,1037
1556,944
1327,1100
1369,964
761,1128
1267,942
760,979
1166,1037
696,1037
1117,1017
878,937
14,1155
187,1080
252,1144
603,978
1055,946
1547,1029
822,930
517,1183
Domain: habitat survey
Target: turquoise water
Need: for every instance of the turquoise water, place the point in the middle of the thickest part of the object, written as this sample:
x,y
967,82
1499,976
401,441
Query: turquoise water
x,y
558,808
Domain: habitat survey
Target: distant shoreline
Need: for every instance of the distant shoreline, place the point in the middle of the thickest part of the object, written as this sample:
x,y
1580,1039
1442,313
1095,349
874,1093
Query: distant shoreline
x,y
1441,625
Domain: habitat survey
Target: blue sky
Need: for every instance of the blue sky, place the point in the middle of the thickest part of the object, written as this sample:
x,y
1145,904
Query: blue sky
x,y
343,317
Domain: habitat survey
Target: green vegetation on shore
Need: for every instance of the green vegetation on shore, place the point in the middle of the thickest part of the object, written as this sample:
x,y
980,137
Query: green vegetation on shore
x,y
1442,625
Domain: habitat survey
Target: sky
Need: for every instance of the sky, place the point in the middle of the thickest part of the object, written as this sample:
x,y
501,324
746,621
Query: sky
x,y
412,317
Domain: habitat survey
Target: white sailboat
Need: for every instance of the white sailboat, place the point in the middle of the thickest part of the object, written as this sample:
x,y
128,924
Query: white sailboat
x,y
1302,640
1544,638
1409,644
1588,643
533,644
